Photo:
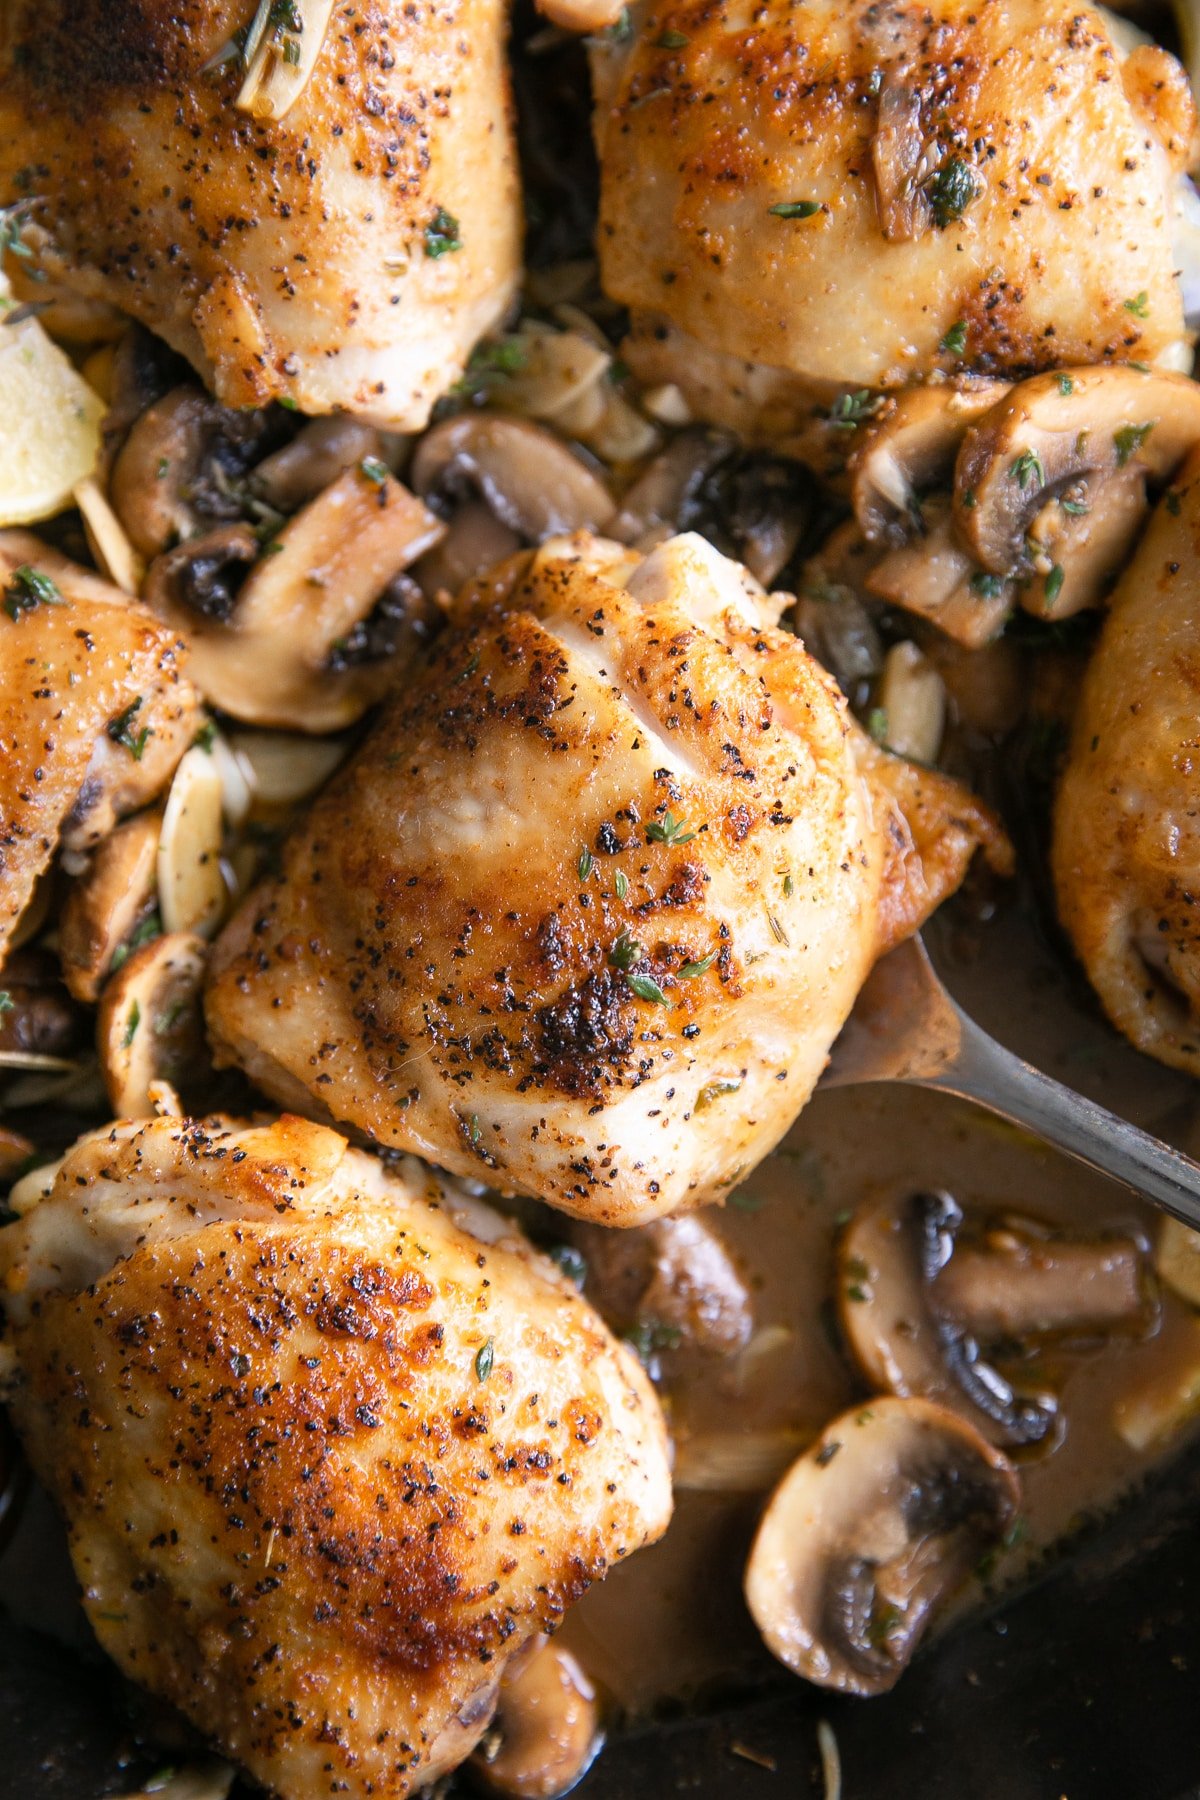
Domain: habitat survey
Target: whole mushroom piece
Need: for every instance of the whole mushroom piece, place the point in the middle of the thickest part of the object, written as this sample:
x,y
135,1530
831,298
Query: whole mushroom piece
x,y
868,1533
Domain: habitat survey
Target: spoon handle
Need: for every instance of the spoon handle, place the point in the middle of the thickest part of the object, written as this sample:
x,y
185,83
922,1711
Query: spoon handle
x,y
983,1071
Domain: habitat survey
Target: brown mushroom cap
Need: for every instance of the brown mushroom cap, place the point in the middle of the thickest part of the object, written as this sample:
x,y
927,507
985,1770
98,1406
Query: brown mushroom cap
x,y
1060,428
268,656
533,483
547,1727
105,905
149,1027
911,446
888,1258
868,1532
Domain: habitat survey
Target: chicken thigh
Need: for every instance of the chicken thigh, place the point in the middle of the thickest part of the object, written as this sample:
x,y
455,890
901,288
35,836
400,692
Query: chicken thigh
x,y
802,200
587,912
331,1441
1126,846
346,254
95,712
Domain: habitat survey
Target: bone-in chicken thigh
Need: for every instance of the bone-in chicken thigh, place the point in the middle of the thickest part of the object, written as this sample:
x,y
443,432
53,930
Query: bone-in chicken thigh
x,y
345,255
1126,845
331,1441
798,196
95,711
587,912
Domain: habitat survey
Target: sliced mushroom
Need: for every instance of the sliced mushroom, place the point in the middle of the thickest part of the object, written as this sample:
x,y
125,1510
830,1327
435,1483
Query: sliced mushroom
x,y
475,541
281,652
150,1028
911,446
652,507
530,479
171,476
888,1260
322,450
1071,429
935,578
546,1731
40,1020
105,907
1019,1281
676,1275
868,1533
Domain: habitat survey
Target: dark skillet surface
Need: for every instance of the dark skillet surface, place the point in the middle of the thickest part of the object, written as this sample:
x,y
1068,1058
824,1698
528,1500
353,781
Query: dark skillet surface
x,y
1086,1686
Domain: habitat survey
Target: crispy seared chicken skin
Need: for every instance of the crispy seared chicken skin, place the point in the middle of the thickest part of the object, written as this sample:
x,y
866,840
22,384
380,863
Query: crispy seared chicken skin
x,y
331,1441
1126,847
345,256
587,912
95,712
857,195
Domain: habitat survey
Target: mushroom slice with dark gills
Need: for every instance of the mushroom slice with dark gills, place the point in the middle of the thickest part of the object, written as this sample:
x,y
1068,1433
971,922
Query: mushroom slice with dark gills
x,y
672,1273
889,1258
868,1533
95,711
404,1446
586,912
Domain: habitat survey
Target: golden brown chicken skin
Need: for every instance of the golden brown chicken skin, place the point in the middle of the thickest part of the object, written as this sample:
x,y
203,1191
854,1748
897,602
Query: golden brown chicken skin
x,y
1126,845
794,197
332,1442
586,914
95,712
346,255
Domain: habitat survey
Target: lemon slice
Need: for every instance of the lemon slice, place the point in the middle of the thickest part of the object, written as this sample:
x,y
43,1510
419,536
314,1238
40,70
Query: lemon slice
x,y
49,423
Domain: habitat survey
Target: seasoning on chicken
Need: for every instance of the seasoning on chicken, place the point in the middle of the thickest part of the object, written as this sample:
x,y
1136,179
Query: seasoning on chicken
x,y
1126,847
585,915
801,204
94,712
332,1442
346,255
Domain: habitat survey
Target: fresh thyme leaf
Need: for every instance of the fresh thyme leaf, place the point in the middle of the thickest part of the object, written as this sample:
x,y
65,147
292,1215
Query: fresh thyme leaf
x,y
851,410
1028,470
121,731
1139,306
669,830
955,340
571,1261
621,884
713,1090
28,588
1054,581
988,587
441,234
131,1025
672,40
145,933
485,1356
646,988
951,192
1075,508
586,864
1129,440
6,1002
1065,385
373,470
877,724
795,209
691,970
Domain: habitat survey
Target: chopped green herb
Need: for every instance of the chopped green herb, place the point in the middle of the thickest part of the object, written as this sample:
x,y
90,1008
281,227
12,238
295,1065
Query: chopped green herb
x,y
571,1261
877,724
951,192
968,499
624,952
484,1358
691,970
1028,470
651,1335
713,1090
672,40
145,933
374,470
747,1203
131,1025
28,588
1075,508
856,1292
586,864
621,884
669,830
1129,440
206,737
164,467
1139,306
474,1129
121,731
849,411
955,340
1054,581
13,220
1173,504
6,1002
646,988
988,587
795,209
285,400
1065,385
619,32
441,234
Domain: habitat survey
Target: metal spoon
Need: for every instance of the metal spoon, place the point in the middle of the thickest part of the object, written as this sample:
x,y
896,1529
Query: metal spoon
x,y
905,1027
